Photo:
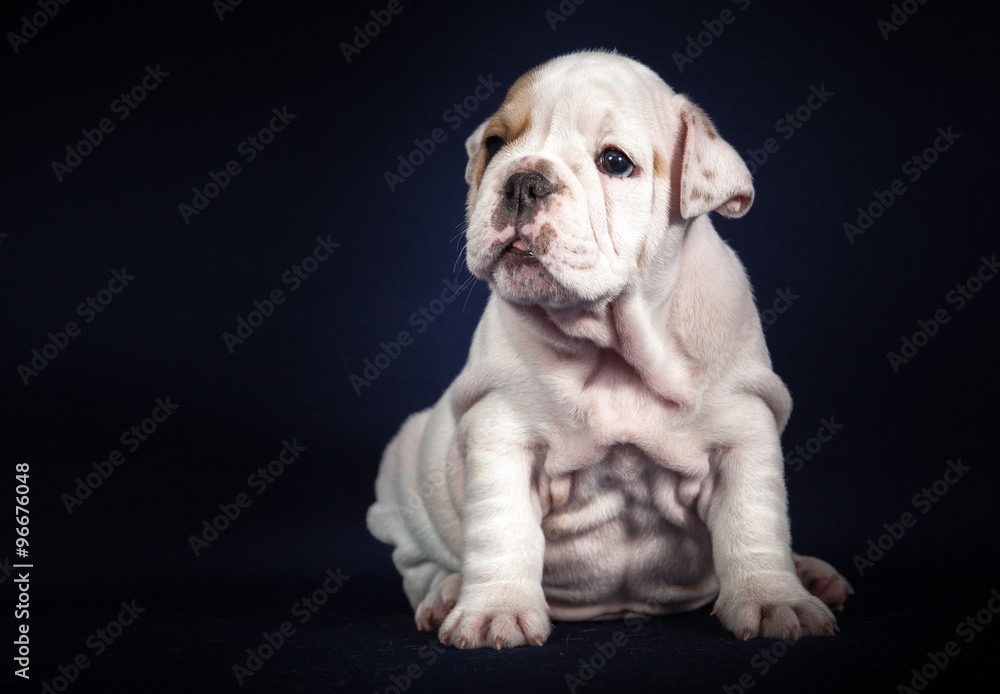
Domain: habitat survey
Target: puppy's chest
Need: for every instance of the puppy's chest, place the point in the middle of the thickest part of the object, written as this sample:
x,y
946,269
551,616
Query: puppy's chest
x,y
604,404
623,454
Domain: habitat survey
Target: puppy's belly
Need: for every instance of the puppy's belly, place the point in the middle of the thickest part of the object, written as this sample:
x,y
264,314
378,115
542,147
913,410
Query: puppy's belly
x,y
624,542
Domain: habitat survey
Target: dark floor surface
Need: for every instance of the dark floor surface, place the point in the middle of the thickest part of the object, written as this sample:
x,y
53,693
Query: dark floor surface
x,y
194,638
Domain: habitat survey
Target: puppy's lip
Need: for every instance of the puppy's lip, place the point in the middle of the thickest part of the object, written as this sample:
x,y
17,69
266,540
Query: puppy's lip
x,y
519,247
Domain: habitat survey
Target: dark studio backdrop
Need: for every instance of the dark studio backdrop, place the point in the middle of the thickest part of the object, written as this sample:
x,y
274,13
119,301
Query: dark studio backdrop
x,y
171,170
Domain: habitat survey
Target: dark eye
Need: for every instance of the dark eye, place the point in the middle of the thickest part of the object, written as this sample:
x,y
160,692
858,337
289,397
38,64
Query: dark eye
x,y
614,163
493,145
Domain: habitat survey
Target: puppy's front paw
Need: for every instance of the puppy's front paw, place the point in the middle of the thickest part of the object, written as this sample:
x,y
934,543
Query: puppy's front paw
x,y
782,614
497,617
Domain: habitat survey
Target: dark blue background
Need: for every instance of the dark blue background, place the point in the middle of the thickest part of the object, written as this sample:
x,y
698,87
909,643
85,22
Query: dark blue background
x,y
323,175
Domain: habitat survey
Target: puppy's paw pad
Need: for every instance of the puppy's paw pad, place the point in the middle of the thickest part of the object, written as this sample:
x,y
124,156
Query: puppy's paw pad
x,y
823,581
439,602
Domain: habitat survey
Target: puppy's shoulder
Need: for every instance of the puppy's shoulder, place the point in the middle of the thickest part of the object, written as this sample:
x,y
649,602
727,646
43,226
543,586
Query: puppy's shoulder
x,y
717,321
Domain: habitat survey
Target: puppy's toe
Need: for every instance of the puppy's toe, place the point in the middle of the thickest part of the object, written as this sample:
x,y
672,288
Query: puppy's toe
x,y
495,630
785,612
815,618
779,622
439,602
516,629
497,619
823,581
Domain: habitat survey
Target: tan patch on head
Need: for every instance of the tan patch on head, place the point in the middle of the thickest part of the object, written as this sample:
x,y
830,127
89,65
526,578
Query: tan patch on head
x,y
511,120
661,169
708,174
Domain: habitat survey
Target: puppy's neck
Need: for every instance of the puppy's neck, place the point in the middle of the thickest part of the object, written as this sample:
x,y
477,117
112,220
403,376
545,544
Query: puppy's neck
x,y
634,325
576,330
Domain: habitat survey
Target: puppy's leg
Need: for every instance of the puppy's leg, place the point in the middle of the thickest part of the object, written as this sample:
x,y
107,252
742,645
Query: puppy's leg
x,y
823,581
760,594
402,517
501,603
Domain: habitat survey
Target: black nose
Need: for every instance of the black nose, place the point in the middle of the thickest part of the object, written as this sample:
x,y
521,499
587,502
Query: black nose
x,y
524,191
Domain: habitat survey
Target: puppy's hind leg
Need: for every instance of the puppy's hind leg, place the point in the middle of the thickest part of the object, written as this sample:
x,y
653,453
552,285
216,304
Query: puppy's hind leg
x,y
822,580
439,600
431,588
400,517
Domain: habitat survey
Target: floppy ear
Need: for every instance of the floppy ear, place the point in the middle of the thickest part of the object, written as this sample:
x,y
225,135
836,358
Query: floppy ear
x,y
712,175
472,145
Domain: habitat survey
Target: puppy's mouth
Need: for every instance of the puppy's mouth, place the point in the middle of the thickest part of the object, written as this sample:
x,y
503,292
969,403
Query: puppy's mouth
x,y
518,248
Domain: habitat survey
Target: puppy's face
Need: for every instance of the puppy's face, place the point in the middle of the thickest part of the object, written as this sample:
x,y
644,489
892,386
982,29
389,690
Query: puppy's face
x,y
571,181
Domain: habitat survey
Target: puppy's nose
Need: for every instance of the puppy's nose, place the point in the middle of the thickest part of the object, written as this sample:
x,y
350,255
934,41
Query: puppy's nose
x,y
524,191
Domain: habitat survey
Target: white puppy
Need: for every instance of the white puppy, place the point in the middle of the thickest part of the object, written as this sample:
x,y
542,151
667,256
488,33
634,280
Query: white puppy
x,y
612,445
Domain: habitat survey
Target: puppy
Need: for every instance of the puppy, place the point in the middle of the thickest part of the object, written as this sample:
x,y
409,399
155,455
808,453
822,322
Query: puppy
x,y
611,447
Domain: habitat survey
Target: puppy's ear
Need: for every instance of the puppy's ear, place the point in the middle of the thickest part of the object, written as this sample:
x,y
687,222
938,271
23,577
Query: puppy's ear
x,y
472,147
712,175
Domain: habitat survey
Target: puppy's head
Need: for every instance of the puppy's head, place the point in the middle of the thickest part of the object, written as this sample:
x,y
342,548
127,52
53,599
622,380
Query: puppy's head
x,y
587,175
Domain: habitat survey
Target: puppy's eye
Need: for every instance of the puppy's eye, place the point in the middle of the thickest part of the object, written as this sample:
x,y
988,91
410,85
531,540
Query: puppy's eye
x,y
493,145
615,163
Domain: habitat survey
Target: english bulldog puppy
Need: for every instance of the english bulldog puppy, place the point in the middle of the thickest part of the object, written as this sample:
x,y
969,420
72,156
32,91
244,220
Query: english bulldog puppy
x,y
611,447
